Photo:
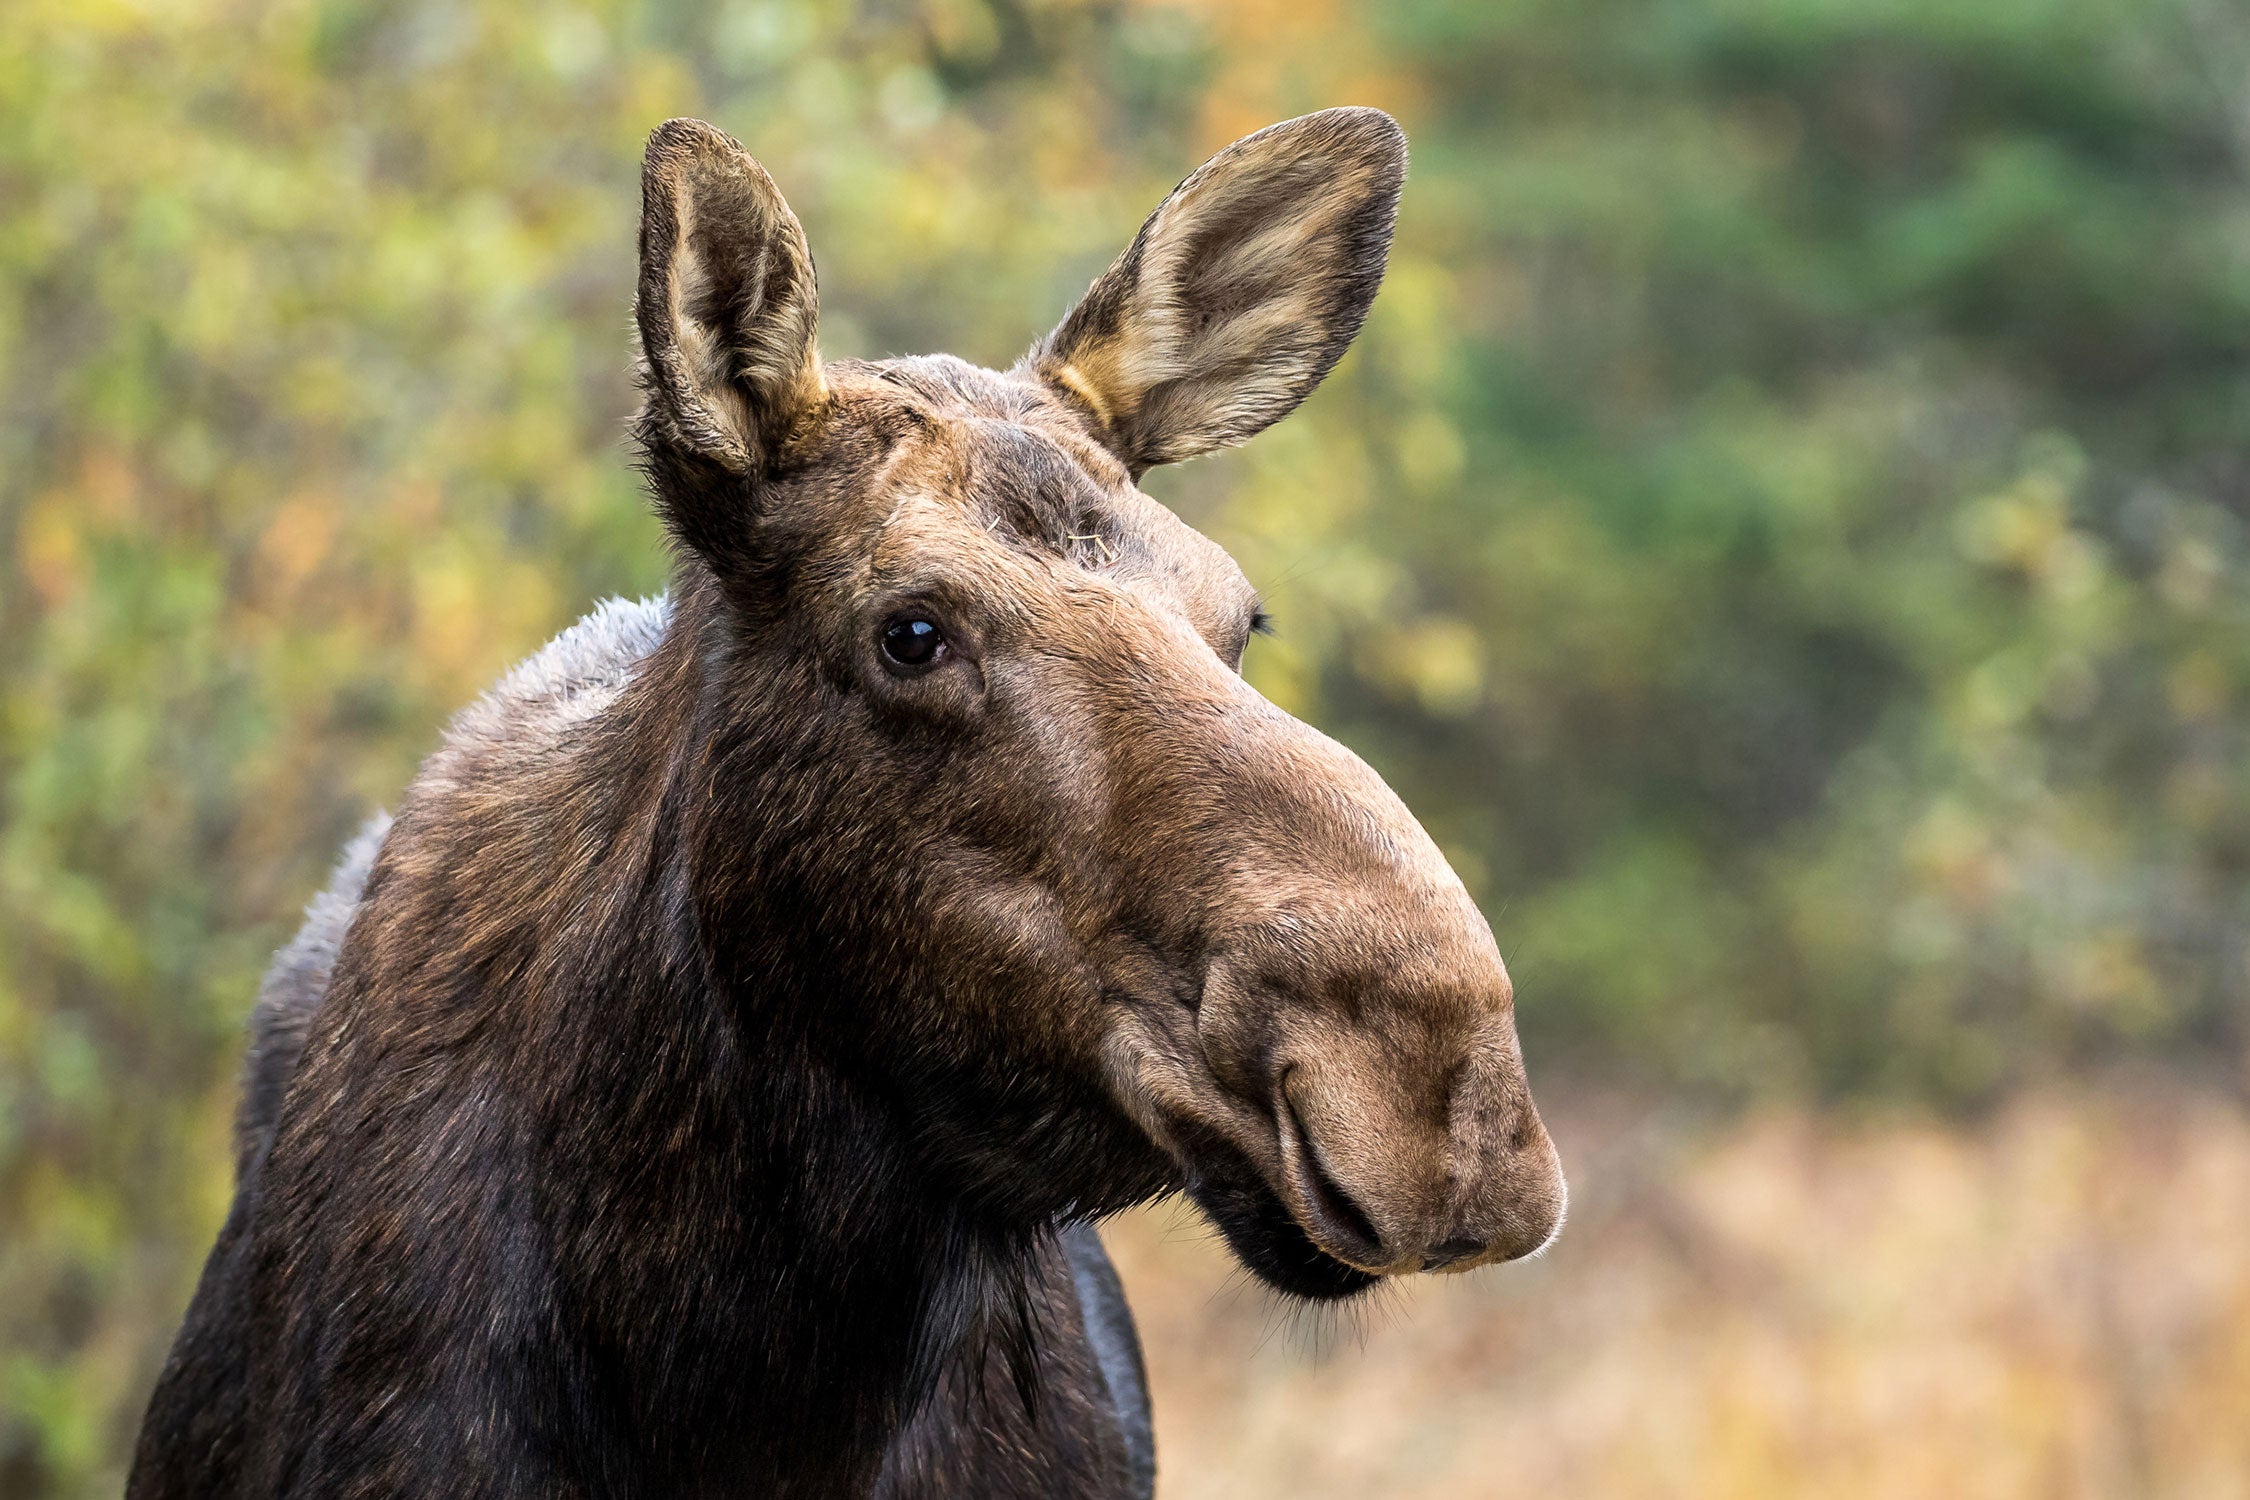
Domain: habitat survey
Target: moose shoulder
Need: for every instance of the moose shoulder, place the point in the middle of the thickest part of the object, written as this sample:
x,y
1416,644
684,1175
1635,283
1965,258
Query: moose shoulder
x,y
706,1083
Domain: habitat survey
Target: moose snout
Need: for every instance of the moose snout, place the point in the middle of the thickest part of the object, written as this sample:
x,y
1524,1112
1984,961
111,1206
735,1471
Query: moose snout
x,y
1358,1027
1395,1168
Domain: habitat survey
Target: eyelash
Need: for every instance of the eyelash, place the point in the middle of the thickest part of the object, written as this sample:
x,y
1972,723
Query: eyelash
x,y
1261,623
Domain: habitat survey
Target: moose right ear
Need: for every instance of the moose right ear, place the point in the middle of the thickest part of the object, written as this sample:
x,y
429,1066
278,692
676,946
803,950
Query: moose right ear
x,y
1239,293
727,312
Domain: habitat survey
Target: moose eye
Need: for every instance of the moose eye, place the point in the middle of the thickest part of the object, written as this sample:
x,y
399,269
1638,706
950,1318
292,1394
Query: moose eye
x,y
913,643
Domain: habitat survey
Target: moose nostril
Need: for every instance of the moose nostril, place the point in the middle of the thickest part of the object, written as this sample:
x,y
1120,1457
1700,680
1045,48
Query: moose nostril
x,y
1450,1252
1338,1208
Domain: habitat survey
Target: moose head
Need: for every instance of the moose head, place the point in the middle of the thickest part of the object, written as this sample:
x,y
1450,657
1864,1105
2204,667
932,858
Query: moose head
x,y
984,772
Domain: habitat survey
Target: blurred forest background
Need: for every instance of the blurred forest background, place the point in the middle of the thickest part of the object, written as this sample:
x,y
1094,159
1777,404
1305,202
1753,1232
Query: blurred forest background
x,y
1783,528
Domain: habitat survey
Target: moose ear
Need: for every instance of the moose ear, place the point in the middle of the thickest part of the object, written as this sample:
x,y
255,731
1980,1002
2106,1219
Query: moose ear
x,y
726,308
1240,292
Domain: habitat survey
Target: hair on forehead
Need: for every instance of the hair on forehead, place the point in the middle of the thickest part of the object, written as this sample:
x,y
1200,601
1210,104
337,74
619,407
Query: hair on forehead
x,y
955,386
1005,428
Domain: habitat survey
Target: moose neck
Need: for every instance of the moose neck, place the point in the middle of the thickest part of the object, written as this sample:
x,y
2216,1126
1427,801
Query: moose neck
x,y
794,1270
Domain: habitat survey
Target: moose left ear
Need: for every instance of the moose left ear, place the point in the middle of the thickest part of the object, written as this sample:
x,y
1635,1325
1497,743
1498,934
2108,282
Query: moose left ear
x,y
727,308
1240,292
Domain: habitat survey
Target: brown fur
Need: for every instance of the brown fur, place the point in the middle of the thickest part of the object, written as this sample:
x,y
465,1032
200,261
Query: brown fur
x,y
732,1014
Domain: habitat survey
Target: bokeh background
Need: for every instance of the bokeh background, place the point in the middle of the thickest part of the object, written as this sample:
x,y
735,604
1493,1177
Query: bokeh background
x,y
1783,528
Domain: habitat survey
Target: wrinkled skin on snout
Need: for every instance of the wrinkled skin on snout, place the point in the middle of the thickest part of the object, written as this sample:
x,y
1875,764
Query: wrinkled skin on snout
x,y
1112,885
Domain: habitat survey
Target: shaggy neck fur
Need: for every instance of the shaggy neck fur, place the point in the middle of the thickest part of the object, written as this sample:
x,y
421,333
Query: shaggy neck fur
x,y
608,1094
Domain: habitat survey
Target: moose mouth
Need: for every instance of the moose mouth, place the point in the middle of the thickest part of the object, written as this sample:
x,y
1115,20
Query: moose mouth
x,y
1263,1234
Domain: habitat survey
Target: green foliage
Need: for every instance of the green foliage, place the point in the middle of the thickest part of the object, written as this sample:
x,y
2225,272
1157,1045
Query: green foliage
x,y
1783,527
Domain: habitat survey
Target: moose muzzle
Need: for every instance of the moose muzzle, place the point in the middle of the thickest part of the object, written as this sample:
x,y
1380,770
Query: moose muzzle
x,y
1404,1134
1358,1007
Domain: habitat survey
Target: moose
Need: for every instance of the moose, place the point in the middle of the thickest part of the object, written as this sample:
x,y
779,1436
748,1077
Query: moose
x,y
708,1081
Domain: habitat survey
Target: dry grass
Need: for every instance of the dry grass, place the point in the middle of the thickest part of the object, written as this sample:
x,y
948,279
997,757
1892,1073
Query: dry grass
x,y
2055,1302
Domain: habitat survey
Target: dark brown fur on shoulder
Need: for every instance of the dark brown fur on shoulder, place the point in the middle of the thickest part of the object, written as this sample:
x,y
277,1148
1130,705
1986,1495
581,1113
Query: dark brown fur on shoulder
x,y
703,1085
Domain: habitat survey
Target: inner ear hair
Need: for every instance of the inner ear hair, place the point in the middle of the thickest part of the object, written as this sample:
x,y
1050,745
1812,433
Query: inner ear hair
x,y
727,305
1240,292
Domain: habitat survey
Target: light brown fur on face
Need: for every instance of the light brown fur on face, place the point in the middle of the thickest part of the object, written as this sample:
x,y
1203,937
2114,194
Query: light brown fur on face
x,y
1265,948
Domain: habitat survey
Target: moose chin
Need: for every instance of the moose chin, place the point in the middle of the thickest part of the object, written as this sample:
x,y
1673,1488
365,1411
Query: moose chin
x,y
706,1083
